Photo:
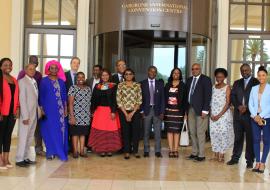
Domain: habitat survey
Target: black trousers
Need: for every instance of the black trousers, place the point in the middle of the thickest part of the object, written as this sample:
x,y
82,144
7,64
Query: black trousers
x,y
6,129
131,132
243,130
38,139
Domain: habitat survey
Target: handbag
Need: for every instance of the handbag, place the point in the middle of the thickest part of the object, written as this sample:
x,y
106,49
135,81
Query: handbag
x,y
184,140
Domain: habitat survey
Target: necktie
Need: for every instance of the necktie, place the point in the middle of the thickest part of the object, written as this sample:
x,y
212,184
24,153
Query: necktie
x,y
192,89
75,78
152,92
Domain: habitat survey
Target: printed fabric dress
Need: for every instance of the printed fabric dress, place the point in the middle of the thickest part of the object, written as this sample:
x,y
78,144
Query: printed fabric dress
x,y
221,131
54,131
81,109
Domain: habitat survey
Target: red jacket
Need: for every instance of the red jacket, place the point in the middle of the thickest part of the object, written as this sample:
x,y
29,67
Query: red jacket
x,y
5,103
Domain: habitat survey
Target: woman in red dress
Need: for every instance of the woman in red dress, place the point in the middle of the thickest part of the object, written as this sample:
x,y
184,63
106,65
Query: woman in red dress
x,y
105,135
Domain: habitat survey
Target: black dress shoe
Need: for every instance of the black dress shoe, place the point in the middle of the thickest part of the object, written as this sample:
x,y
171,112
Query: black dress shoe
x,y
249,165
22,164
199,159
232,162
146,154
30,162
158,155
192,157
89,150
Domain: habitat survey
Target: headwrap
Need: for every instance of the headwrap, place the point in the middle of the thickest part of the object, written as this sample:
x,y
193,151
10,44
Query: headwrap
x,y
60,74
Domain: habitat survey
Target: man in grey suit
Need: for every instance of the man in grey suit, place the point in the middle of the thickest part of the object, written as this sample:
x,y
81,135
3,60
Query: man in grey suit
x,y
28,115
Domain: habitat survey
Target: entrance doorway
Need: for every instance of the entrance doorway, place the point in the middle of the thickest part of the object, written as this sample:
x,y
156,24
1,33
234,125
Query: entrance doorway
x,y
163,49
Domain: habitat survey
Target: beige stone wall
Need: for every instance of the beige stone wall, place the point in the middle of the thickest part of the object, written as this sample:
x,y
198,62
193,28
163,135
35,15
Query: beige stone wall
x,y
5,28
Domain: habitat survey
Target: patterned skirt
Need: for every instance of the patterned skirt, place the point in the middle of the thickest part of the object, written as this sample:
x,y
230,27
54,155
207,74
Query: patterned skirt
x,y
105,135
173,120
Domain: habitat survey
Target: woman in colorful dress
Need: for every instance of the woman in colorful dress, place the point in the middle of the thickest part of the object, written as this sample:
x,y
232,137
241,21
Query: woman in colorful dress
x,y
129,100
79,101
175,110
221,123
53,102
105,135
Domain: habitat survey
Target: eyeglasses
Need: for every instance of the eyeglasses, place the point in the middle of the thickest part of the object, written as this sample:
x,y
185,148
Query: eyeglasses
x,y
128,74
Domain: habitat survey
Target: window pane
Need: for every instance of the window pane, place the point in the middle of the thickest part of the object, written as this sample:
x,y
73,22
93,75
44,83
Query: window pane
x,y
266,50
255,1
66,45
253,50
237,18
50,46
51,12
65,64
267,18
237,50
235,72
33,12
268,69
254,20
34,44
68,12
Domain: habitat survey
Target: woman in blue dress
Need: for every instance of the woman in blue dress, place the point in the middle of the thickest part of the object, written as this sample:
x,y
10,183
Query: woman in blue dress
x,y
53,102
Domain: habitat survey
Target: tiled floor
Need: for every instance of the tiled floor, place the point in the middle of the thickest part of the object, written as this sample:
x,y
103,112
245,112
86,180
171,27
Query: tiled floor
x,y
96,173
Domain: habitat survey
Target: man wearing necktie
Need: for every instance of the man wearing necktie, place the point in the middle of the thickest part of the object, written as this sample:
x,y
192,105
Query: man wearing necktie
x,y
71,79
71,74
152,109
199,97
120,68
242,121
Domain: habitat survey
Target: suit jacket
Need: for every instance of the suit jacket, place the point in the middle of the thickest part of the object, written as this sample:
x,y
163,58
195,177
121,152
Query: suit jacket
x,y
68,81
202,94
6,99
238,92
158,97
253,103
115,79
181,96
28,99
89,82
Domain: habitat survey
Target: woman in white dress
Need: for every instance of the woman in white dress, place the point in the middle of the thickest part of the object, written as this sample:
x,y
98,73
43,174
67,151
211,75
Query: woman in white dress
x,y
221,123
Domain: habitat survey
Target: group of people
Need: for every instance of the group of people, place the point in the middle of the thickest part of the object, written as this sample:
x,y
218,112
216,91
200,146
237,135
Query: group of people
x,y
106,113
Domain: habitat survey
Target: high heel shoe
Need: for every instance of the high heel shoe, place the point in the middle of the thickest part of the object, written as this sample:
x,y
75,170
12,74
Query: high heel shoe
x,y
171,154
175,154
261,171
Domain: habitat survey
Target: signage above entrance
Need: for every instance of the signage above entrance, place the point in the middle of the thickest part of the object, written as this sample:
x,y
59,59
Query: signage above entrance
x,y
171,15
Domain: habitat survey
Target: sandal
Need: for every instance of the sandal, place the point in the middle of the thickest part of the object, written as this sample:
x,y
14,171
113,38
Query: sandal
x,y
175,154
171,154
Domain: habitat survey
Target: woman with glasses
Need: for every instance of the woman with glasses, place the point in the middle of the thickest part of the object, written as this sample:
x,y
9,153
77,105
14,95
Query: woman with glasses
x,y
105,136
53,102
129,99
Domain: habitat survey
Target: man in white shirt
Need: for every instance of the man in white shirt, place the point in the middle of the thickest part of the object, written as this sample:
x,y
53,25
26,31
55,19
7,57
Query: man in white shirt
x,y
120,68
95,79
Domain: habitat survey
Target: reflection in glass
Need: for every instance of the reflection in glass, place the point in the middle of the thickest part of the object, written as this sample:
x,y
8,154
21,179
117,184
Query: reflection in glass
x,y
254,18
164,60
33,12
50,46
65,64
237,50
182,60
237,17
51,10
34,44
266,50
68,12
253,50
199,50
267,18
66,47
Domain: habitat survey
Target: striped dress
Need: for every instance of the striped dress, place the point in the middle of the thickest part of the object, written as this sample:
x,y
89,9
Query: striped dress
x,y
173,118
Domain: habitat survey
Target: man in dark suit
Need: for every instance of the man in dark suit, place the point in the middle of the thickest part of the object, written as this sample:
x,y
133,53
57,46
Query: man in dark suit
x,y
152,109
71,74
199,96
95,79
120,68
242,121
